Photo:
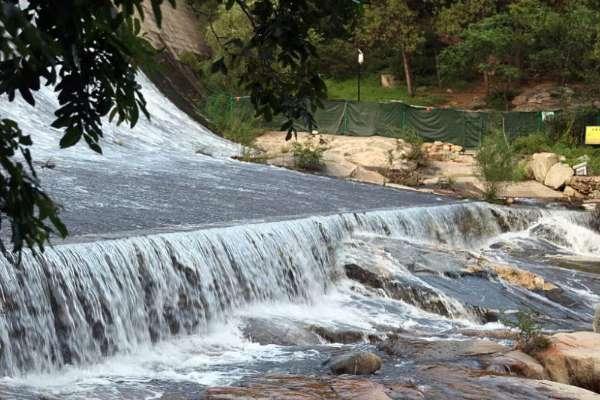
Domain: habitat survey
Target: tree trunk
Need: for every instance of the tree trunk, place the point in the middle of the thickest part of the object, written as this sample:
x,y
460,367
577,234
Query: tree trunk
x,y
486,80
437,70
408,73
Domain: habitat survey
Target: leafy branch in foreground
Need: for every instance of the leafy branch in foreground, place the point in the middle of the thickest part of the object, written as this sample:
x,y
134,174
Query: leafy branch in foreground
x,y
20,192
88,51
277,57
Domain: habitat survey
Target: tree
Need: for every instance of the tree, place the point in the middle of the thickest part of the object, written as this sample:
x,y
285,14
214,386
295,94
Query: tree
x,y
394,24
90,50
524,38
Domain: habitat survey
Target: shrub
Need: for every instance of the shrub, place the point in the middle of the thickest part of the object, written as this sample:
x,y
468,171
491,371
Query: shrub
x,y
534,143
234,120
307,157
530,339
415,140
521,172
495,159
490,192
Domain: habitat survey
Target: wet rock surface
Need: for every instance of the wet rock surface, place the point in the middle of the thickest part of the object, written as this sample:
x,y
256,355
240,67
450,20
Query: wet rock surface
x,y
355,363
282,333
519,363
288,387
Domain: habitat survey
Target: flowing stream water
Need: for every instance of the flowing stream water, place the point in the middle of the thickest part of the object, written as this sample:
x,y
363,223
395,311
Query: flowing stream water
x,y
147,300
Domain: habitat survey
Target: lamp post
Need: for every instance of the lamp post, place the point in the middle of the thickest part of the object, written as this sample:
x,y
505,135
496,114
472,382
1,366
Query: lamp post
x,y
361,60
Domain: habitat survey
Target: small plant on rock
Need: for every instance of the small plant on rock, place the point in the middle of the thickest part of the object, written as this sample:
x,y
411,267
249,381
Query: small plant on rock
x,y
308,157
530,339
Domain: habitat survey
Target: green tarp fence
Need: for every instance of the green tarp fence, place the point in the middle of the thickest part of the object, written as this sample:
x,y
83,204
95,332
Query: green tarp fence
x,y
394,119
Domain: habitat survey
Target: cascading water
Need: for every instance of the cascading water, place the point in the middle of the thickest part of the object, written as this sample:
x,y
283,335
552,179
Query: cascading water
x,y
149,312
78,303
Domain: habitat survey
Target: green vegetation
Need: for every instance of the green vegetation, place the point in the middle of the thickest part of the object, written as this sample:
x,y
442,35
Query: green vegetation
x,y
494,161
573,153
235,123
498,162
308,157
530,339
371,90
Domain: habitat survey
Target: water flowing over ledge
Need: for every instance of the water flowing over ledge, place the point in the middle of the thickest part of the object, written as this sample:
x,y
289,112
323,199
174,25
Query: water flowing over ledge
x,y
80,302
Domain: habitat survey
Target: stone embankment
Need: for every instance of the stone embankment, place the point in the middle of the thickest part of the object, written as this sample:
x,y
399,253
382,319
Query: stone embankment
x,y
438,167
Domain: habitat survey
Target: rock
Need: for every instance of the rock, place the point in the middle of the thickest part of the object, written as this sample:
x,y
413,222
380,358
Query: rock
x,y
528,189
428,351
477,103
363,175
333,335
596,322
519,277
541,164
282,333
178,32
355,363
388,81
573,359
586,185
447,382
572,193
296,387
431,181
558,175
371,276
519,363
421,296
339,169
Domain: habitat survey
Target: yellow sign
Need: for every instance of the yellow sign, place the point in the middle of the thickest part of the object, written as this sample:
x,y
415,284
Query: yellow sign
x,y
592,135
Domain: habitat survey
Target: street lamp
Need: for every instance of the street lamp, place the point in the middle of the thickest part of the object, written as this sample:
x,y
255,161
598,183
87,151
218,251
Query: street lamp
x,y
361,60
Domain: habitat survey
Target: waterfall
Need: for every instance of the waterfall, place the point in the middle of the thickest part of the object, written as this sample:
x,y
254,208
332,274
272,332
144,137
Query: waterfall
x,y
77,303
169,130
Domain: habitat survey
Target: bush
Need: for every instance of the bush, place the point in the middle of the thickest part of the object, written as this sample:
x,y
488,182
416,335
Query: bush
x,y
495,159
534,143
530,339
307,157
234,120
415,140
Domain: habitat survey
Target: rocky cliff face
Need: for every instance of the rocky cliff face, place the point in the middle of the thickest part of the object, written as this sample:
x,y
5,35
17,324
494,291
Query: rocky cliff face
x,y
180,31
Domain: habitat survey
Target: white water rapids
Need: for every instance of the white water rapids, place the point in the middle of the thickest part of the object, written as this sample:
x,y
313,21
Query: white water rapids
x,y
84,316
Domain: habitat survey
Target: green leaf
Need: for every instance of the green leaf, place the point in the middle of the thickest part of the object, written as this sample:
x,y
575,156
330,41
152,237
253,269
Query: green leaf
x,y
70,138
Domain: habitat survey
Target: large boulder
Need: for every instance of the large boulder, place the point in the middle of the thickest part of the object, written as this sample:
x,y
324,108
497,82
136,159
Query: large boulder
x,y
596,323
355,363
519,363
558,176
572,193
267,331
574,359
541,164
